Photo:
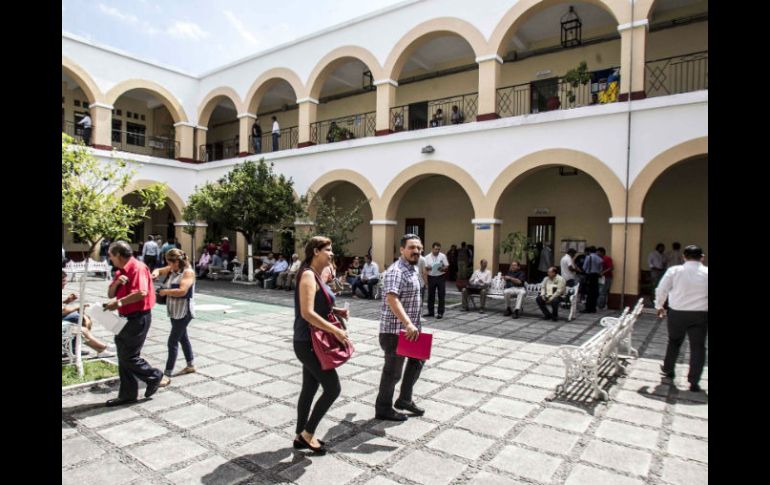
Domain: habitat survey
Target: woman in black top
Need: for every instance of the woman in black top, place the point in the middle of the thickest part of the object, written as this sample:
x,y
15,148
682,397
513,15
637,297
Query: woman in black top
x,y
310,308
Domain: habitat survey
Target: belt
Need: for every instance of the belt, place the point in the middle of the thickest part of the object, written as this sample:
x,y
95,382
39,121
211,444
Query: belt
x,y
136,314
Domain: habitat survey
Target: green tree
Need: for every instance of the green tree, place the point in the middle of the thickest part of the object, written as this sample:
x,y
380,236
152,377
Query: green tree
x,y
92,208
332,221
248,199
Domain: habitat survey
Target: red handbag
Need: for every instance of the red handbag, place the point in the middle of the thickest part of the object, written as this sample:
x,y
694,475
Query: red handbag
x,y
330,352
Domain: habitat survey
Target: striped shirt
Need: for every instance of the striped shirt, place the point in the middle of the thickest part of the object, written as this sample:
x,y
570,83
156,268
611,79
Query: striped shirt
x,y
177,307
402,280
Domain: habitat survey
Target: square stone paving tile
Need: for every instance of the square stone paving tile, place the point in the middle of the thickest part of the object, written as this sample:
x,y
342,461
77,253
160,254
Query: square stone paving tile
x,y
132,432
635,415
495,372
460,397
578,422
460,443
651,401
526,393
381,481
218,370
167,452
455,365
482,384
488,424
318,470
525,463
226,431
410,430
191,415
486,478
278,389
352,410
79,449
268,450
107,470
547,439
368,448
437,375
282,370
513,364
439,411
101,416
697,427
584,475
508,407
215,470
680,472
252,362
628,434
238,401
209,389
688,448
537,380
423,467
617,457
275,414
247,379
692,410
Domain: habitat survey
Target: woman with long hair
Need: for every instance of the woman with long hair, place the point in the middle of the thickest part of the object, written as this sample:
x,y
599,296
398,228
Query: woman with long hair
x,y
310,308
178,289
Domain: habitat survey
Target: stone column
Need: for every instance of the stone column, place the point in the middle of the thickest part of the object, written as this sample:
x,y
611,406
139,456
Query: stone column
x,y
101,122
632,70
307,116
200,143
245,120
489,78
184,134
631,270
384,241
386,98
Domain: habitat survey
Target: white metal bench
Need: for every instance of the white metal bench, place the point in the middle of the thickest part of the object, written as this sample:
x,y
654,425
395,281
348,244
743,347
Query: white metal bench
x,y
74,268
238,273
583,362
496,289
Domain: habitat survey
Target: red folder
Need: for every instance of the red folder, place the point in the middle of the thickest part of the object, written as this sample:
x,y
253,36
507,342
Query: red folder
x,y
419,349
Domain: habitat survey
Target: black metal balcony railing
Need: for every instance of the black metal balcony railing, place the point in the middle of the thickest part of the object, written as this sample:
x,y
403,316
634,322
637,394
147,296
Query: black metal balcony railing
x,y
549,95
73,130
358,125
678,74
289,139
156,146
439,113
219,150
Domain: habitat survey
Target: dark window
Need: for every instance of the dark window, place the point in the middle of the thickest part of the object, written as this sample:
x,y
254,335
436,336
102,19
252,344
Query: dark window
x,y
128,114
120,112
85,105
77,102
544,95
135,135
117,127
142,117
136,116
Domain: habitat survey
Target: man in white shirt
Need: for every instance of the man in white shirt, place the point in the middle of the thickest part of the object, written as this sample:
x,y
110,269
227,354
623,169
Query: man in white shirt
x,y
370,276
421,264
276,134
279,267
436,266
674,257
150,252
656,261
686,286
86,124
568,269
480,281
287,279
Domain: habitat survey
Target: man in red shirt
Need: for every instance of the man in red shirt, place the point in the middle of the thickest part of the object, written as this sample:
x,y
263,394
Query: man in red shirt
x,y
604,289
225,248
133,295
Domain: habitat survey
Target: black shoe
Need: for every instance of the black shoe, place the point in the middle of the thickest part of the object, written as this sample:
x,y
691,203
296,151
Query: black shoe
x,y
118,401
664,373
411,407
321,450
152,387
440,315
695,388
301,445
391,416
507,312
515,314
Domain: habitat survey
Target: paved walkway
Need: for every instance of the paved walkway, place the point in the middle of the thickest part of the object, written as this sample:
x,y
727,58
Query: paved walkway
x,y
487,419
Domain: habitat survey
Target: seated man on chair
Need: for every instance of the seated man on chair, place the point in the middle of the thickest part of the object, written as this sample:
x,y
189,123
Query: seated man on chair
x,y
514,285
370,276
551,294
70,314
478,285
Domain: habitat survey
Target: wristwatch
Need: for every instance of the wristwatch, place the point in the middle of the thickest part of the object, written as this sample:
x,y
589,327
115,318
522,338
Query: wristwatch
x,y
120,303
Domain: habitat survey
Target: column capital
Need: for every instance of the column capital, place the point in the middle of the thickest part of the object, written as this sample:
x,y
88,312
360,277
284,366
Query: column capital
x,y
386,81
186,224
185,123
101,105
307,100
631,220
246,115
639,23
489,57
202,128
383,222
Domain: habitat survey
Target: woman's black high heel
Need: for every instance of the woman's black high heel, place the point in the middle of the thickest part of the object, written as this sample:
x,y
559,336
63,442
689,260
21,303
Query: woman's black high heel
x,y
300,443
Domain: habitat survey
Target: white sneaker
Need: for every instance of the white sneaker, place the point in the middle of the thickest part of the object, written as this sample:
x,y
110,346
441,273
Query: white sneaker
x,y
105,353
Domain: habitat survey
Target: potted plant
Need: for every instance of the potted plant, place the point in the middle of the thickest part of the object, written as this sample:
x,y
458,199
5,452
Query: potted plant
x,y
576,76
518,245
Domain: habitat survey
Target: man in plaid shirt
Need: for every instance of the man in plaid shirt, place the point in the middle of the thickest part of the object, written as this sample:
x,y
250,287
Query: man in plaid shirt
x,y
400,307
